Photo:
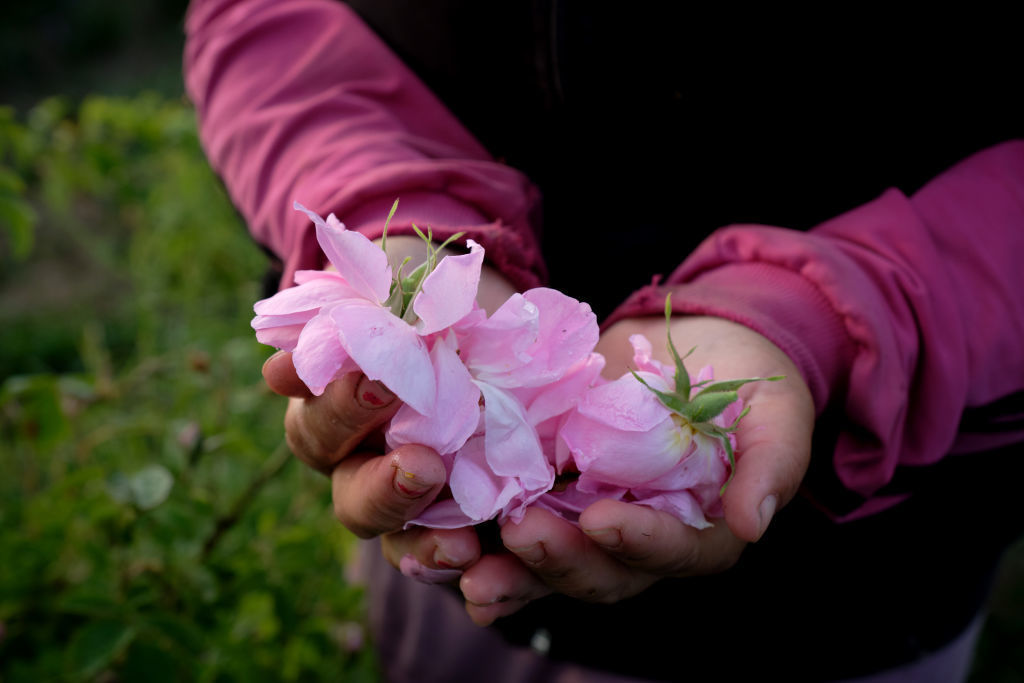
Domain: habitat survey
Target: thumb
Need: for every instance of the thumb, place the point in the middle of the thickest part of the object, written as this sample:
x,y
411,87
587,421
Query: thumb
x,y
279,374
773,452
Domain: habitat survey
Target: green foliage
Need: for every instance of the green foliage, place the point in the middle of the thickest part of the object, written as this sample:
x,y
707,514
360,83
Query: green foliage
x,y
153,525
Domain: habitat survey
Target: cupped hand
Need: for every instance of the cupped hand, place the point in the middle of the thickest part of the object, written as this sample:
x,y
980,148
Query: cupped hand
x,y
620,548
374,493
340,434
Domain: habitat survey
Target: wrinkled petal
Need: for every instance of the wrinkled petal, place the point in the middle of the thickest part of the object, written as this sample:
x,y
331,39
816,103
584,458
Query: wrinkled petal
x,y
387,349
444,514
362,264
705,464
642,351
319,357
533,339
479,492
679,504
571,502
284,337
496,346
457,400
414,569
567,333
564,394
304,276
449,292
281,331
512,446
626,404
312,295
620,457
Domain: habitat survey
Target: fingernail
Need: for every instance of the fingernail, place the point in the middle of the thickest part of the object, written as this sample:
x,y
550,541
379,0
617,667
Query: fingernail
x,y
443,560
408,484
275,355
531,554
373,395
766,511
606,538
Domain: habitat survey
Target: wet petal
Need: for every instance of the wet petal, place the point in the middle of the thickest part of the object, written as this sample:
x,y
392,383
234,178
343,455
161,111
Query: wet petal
x,y
449,292
498,345
387,349
567,333
626,404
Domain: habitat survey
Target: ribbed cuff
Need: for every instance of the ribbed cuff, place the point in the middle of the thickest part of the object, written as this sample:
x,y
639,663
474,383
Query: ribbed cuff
x,y
773,301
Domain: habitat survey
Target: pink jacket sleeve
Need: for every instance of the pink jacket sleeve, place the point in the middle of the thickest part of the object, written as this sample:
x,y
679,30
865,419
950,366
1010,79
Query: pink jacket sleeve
x,y
299,100
900,314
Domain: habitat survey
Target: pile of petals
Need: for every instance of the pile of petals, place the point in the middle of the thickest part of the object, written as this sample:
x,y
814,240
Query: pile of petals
x,y
513,402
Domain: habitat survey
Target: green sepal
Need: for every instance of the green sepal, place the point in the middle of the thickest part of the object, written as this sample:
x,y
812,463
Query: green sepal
x,y
384,235
722,435
410,287
682,378
708,405
670,401
734,384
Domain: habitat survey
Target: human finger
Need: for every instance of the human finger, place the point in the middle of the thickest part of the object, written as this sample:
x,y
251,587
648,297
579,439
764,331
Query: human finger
x,y
655,542
773,448
322,430
565,559
499,585
279,374
377,494
441,549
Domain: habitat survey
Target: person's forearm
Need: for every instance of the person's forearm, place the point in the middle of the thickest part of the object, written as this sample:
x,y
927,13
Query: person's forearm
x,y
301,101
900,314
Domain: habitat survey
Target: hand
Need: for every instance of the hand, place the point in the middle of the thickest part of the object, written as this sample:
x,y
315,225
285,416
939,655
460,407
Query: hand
x,y
622,548
340,434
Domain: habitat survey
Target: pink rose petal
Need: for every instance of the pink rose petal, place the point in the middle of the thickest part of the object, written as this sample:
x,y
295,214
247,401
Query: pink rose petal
x,y
358,260
513,449
309,296
458,400
680,504
414,569
626,404
387,349
448,293
444,514
284,337
319,357
498,345
479,492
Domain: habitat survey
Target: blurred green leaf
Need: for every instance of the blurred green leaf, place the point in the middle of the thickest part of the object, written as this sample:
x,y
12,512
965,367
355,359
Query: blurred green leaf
x,y
150,486
94,646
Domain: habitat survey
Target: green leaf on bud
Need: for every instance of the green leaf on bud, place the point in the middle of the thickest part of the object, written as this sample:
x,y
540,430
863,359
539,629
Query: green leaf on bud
x,y
404,289
710,402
